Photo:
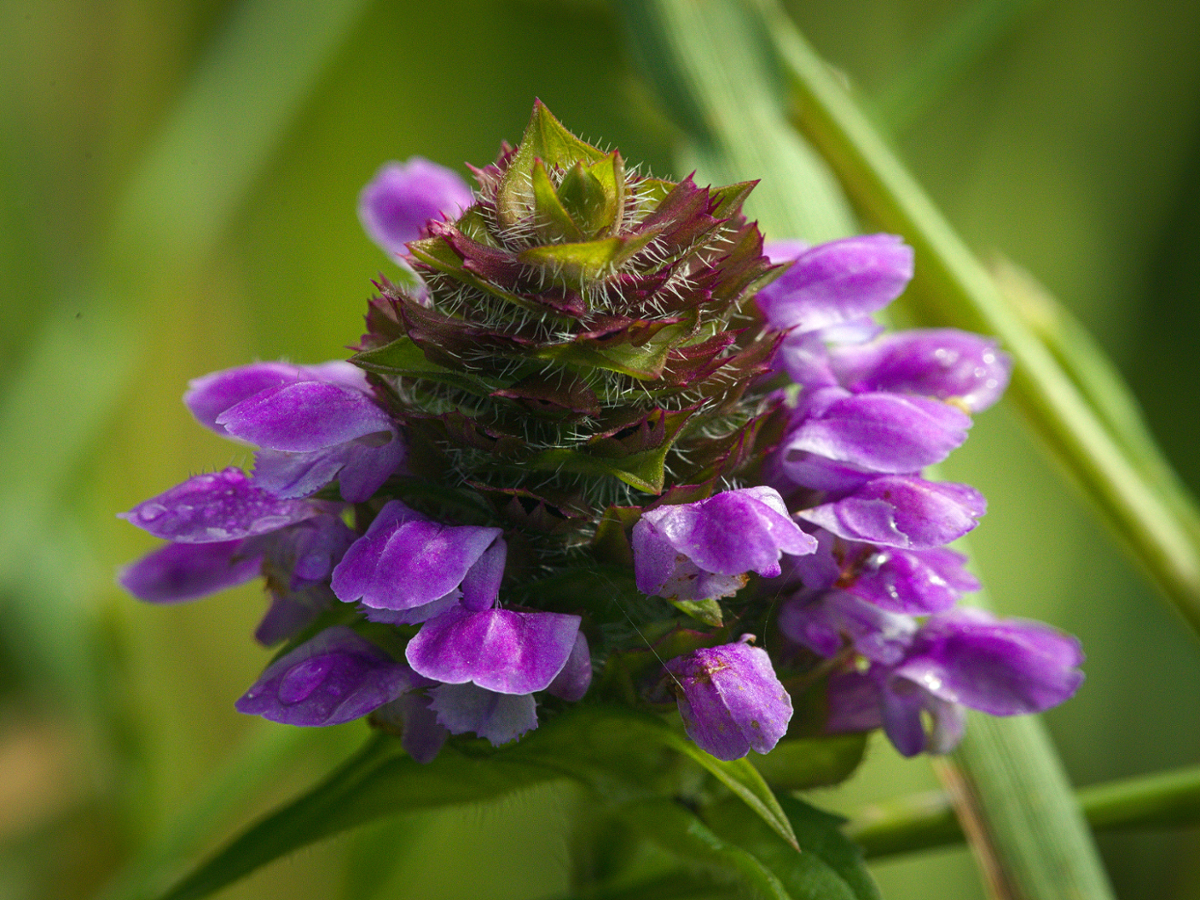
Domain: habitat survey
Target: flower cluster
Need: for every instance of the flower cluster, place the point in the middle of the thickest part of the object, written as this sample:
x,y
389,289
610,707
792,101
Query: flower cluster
x,y
595,426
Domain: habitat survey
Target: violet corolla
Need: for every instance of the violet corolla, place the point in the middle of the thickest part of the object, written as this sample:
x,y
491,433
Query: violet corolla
x,y
596,418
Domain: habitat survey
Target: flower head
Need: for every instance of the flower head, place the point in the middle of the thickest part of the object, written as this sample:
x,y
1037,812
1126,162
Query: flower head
x,y
590,387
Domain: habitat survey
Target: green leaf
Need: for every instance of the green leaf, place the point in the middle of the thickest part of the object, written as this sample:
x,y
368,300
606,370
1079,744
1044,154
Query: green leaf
x,y
743,779
545,139
828,867
378,781
555,220
707,611
676,829
797,764
403,358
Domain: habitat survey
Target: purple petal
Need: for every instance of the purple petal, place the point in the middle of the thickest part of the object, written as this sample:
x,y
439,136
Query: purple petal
x,y
499,718
291,612
179,572
902,704
402,197
912,581
211,395
481,584
421,736
572,683
1000,667
417,614
822,623
837,282
221,506
942,363
305,416
503,651
882,432
334,678
359,467
731,700
901,511
854,702
403,561
728,534
309,550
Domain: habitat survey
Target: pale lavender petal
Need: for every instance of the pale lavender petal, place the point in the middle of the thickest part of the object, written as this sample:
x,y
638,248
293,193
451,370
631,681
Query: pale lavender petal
x,y
730,699
402,197
309,550
423,736
573,681
499,718
1001,667
498,649
942,363
408,562
882,432
901,511
305,416
333,678
367,465
179,572
221,506
837,282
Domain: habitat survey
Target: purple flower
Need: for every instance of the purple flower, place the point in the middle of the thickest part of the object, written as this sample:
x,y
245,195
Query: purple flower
x,y
179,572
702,550
313,424
823,622
838,282
405,561
730,699
504,651
217,507
962,658
901,511
333,678
402,197
915,582
945,364
877,432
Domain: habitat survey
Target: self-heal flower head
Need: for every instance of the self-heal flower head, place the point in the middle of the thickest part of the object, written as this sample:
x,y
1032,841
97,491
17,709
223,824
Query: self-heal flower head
x,y
576,400
703,550
730,699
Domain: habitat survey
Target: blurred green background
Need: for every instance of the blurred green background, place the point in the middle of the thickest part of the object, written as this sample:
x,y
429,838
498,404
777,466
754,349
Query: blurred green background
x,y
177,196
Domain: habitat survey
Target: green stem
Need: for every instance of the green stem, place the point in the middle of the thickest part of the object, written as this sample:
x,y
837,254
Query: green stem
x,y
952,288
927,821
